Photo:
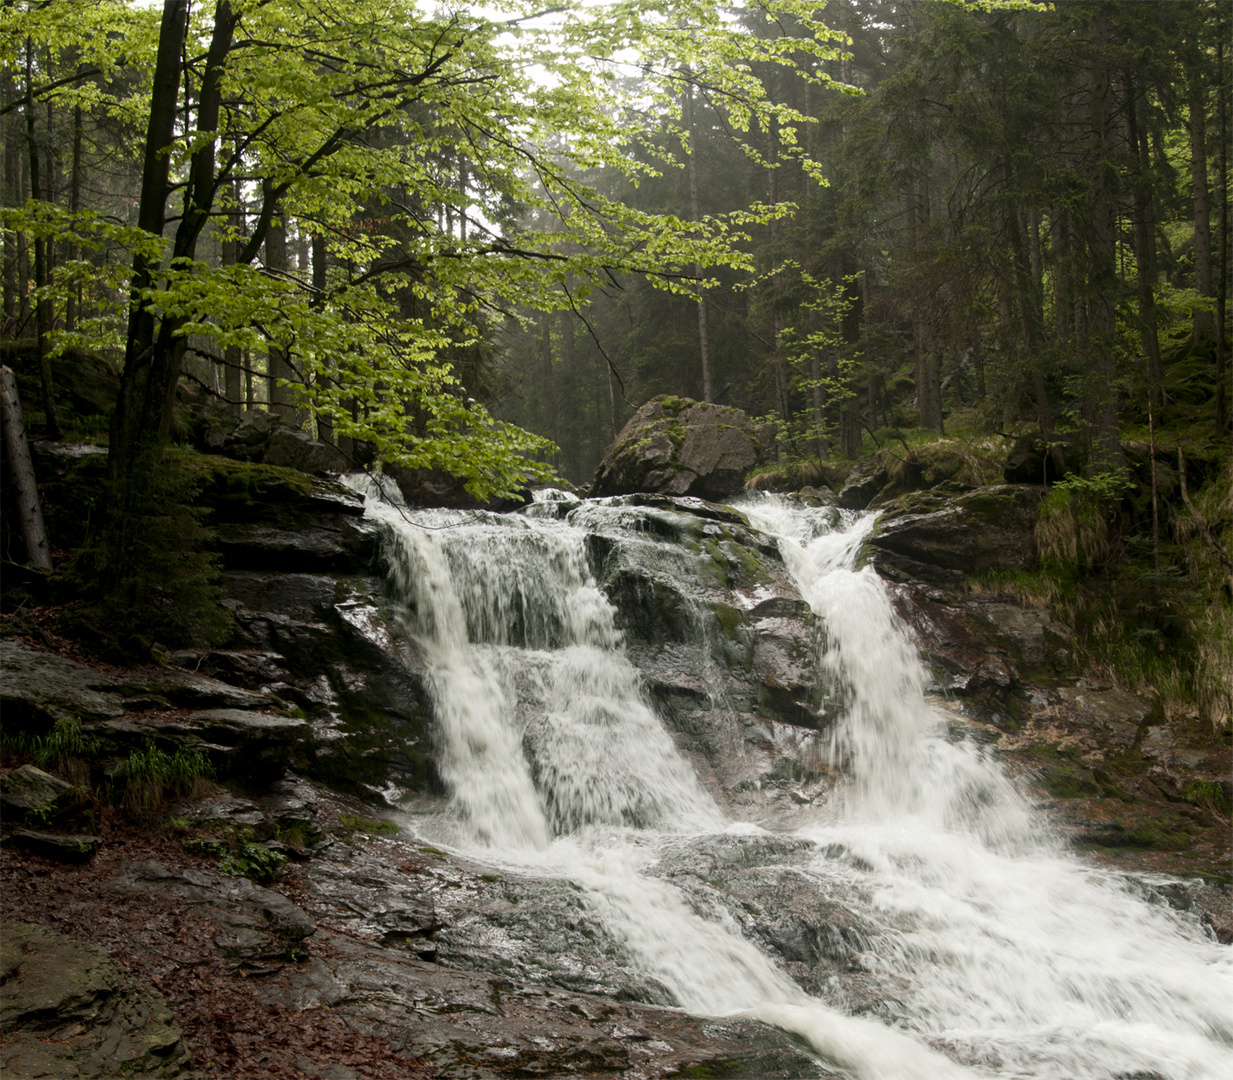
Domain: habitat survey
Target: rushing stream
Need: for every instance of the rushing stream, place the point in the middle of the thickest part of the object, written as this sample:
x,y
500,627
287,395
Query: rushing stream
x,y
1010,957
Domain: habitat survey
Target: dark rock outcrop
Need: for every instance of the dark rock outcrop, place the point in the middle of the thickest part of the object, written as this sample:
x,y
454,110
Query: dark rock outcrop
x,y
675,446
40,688
939,535
725,642
865,480
259,436
1033,459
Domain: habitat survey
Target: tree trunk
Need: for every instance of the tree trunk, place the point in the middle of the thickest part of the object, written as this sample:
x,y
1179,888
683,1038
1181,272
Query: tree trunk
x,y
1203,323
819,405
29,512
280,371
233,371
695,215
43,312
783,400
142,415
1030,314
325,422
14,242
1222,185
73,303
1100,397
1143,213
572,443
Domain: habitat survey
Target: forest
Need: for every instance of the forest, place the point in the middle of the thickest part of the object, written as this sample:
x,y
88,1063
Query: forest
x,y
367,713
472,242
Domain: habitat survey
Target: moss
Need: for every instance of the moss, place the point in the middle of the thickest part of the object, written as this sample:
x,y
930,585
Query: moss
x,y
1070,781
753,570
729,620
673,405
711,1070
353,823
227,481
1155,837
714,565
1210,796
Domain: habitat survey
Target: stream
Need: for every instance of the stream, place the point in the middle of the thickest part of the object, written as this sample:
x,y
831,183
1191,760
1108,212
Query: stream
x,y
986,947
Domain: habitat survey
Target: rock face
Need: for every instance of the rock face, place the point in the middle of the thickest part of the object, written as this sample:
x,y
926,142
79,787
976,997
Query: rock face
x,y
258,436
675,446
720,634
940,535
68,1010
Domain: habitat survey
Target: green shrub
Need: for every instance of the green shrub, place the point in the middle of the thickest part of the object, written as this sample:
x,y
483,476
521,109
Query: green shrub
x,y
66,749
150,776
1072,525
255,862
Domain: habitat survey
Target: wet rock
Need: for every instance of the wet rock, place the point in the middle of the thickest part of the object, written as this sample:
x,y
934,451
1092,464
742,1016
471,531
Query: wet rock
x,y
291,449
1119,713
255,747
254,923
769,887
28,795
304,597
675,446
85,383
1033,459
936,536
29,791
40,688
434,487
187,690
265,437
69,1010
1037,639
340,546
59,847
865,480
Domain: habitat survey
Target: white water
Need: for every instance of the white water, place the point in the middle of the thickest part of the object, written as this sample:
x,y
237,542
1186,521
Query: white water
x,y
1020,960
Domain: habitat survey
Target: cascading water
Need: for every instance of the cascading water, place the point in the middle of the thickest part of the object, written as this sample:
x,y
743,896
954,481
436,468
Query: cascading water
x,y
1015,959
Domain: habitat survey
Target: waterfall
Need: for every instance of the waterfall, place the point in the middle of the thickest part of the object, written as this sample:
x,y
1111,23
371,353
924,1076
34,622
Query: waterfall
x,y
542,723
1015,958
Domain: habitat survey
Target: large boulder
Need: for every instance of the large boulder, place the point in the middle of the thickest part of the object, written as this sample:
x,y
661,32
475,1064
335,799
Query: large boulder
x,y
675,446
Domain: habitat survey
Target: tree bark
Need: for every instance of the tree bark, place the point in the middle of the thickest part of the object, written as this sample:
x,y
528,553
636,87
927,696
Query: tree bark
x,y
1204,325
43,312
1100,397
154,350
280,371
704,347
142,416
14,242
29,511
1222,185
1143,213
73,302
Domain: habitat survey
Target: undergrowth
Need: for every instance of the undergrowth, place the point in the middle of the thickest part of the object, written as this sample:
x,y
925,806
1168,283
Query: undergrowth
x,y
66,749
151,776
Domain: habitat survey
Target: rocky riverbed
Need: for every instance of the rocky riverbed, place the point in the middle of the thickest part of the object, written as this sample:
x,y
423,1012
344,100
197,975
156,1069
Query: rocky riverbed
x,y
365,951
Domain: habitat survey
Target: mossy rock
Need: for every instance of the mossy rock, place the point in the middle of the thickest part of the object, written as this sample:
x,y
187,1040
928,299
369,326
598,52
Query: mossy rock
x,y
676,446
